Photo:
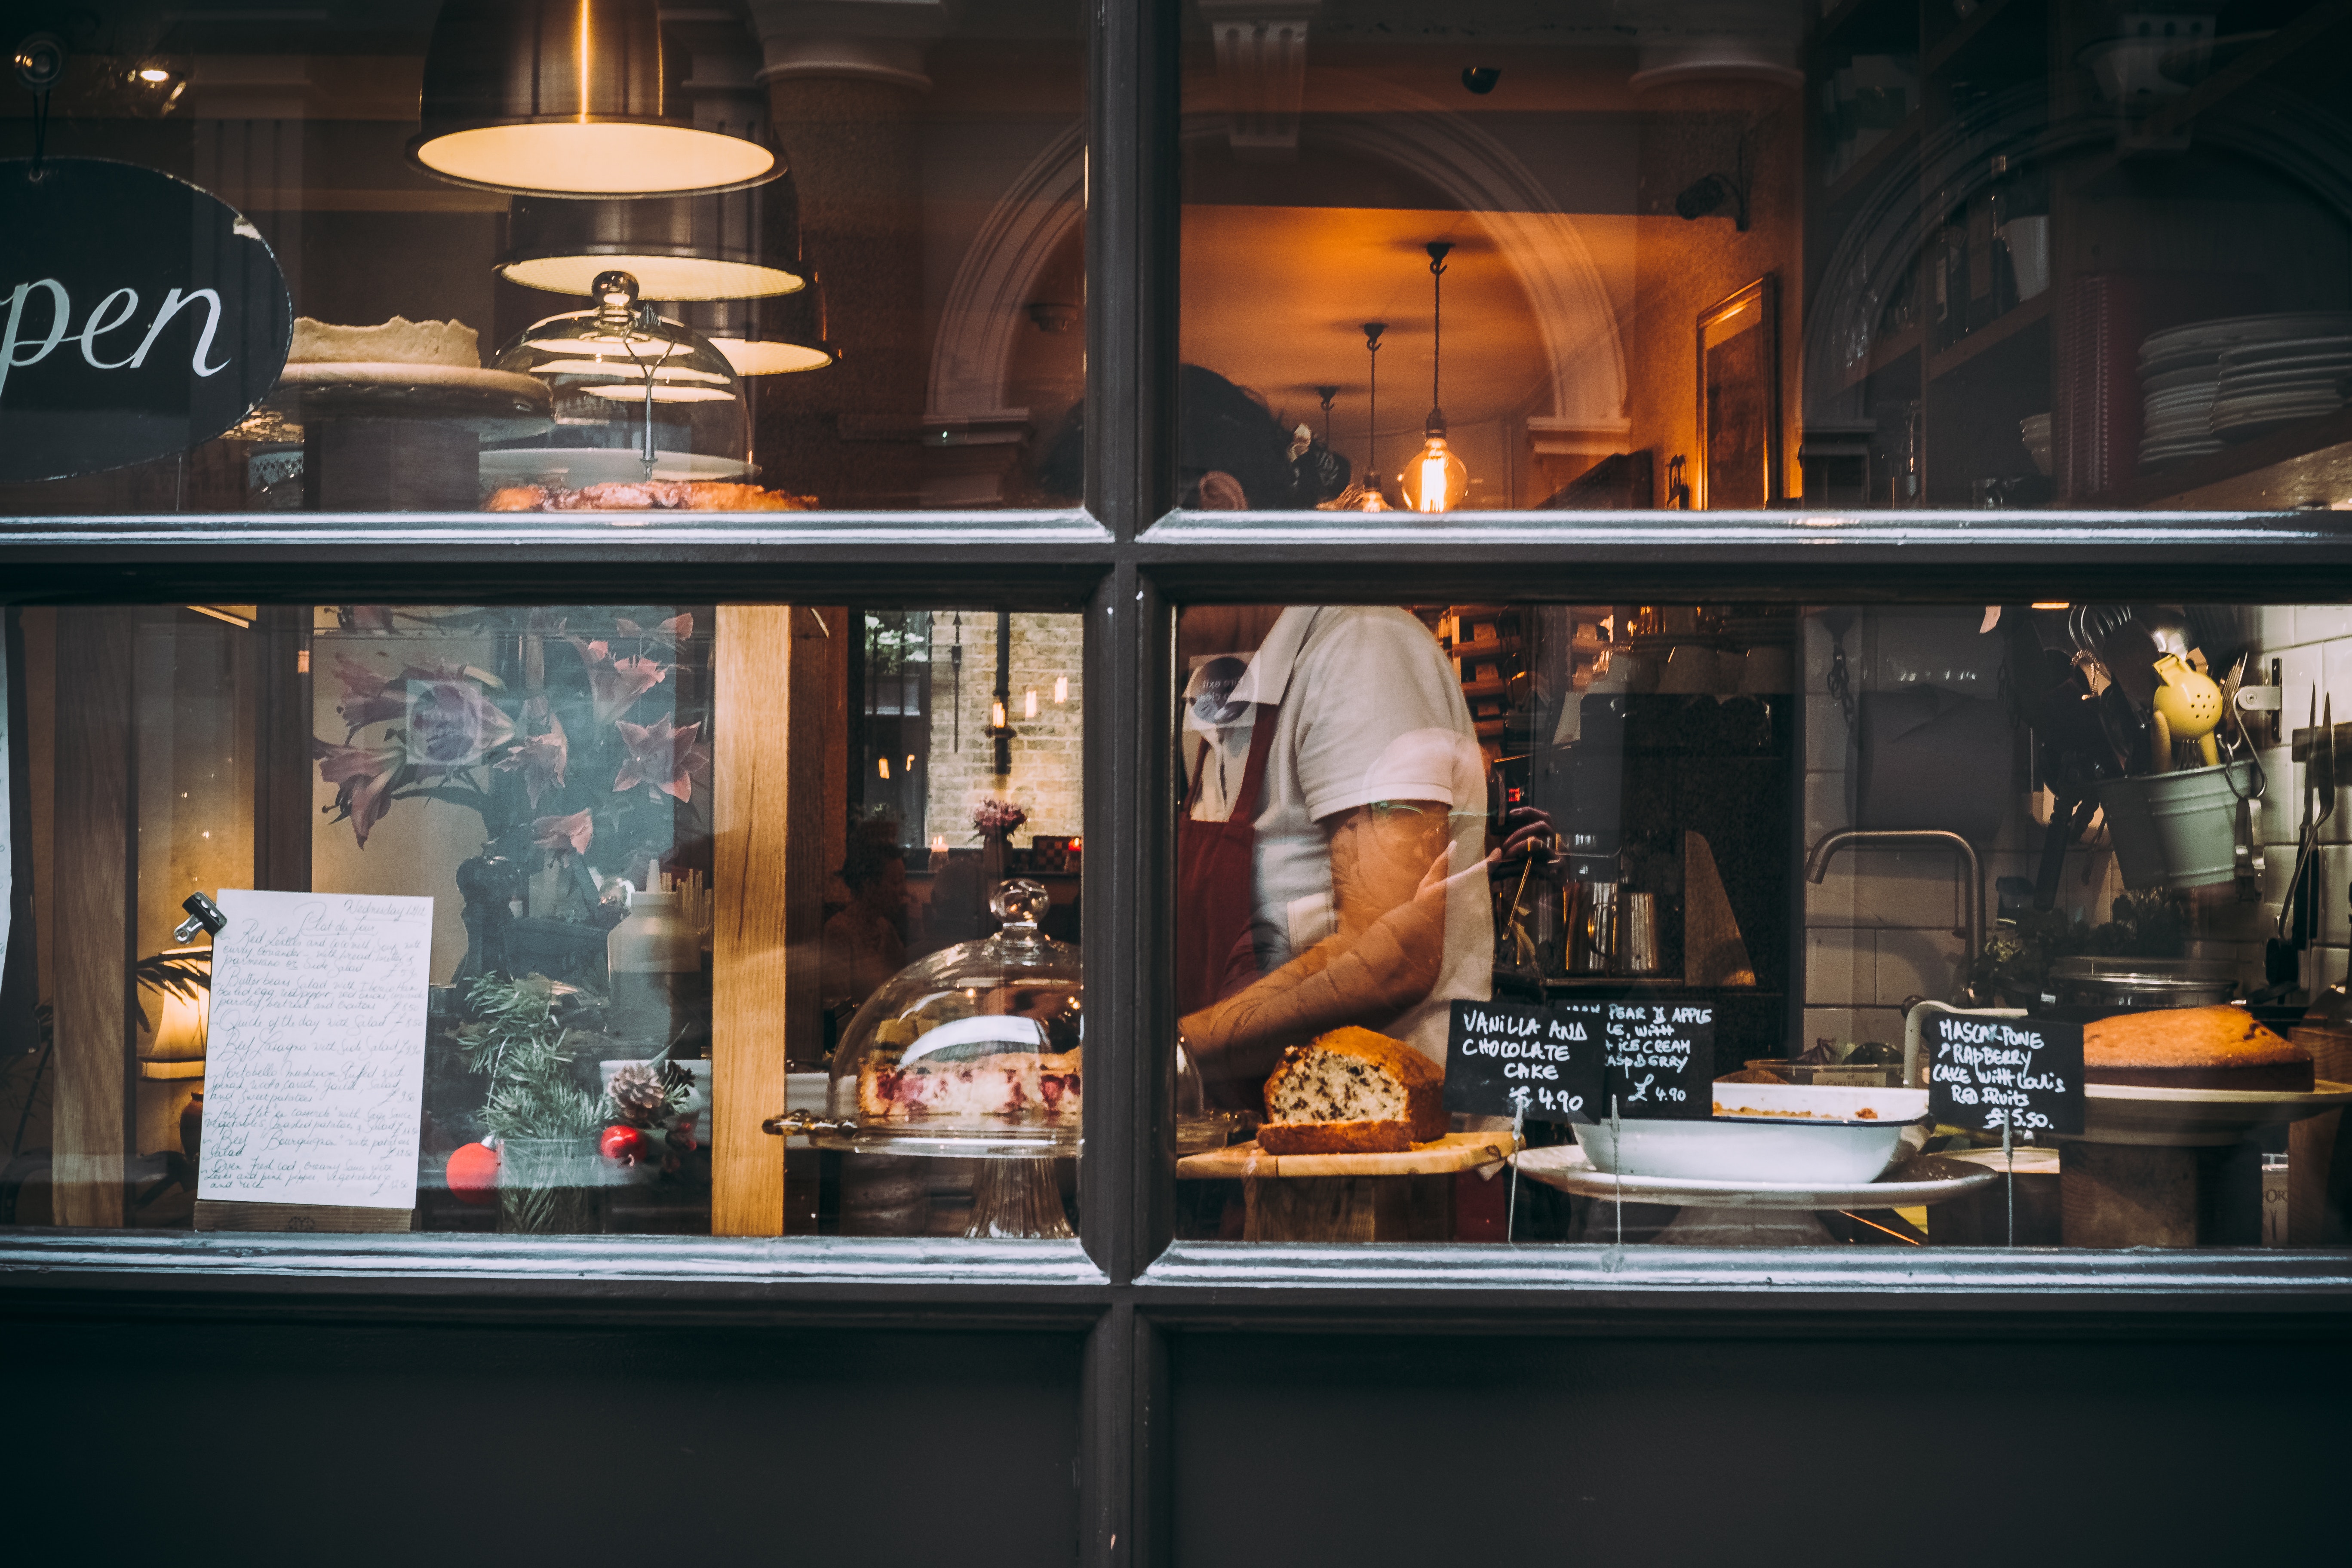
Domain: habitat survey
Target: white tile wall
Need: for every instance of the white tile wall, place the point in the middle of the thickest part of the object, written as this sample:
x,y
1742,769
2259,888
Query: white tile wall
x,y
1880,926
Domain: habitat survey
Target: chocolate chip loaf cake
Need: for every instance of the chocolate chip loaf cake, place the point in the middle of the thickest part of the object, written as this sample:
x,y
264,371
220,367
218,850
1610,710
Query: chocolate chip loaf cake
x,y
1353,1091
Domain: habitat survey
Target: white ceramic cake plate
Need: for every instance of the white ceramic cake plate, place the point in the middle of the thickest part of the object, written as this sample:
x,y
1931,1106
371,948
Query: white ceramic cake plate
x,y
1931,1180
576,467
2126,1113
496,404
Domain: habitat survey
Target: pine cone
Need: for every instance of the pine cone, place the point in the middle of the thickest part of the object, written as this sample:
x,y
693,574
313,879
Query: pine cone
x,y
639,1093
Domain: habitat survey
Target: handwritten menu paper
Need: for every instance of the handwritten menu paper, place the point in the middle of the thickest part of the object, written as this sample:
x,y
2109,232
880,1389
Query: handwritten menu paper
x,y
1661,1059
314,1072
1513,1058
1984,1071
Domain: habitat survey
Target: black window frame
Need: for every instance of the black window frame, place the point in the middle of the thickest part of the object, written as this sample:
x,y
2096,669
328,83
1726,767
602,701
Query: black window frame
x,y
1126,562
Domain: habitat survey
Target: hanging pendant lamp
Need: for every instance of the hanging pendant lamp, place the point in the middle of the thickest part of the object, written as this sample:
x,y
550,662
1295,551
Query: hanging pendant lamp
x,y
771,335
1434,479
724,244
1369,497
565,97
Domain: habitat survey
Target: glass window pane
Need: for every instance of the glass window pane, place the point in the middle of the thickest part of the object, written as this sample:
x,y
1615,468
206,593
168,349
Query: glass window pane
x,y
852,240
1688,893
558,906
2036,254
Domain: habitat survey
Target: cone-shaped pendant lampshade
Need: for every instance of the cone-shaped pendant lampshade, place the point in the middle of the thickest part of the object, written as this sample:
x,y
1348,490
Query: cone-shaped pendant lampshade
x,y
768,336
724,244
565,97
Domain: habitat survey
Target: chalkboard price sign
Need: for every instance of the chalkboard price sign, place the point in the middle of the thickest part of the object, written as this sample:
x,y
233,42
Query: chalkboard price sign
x,y
1521,1058
2026,1072
1661,1059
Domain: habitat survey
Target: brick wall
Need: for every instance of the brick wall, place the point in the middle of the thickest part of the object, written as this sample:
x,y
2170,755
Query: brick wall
x,y
1047,764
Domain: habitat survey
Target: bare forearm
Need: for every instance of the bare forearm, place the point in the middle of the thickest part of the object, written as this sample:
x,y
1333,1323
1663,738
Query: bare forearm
x,y
1366,979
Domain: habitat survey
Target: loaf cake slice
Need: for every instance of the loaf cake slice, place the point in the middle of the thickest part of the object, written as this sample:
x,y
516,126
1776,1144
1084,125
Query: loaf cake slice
x,y
1353,1091
2193,1047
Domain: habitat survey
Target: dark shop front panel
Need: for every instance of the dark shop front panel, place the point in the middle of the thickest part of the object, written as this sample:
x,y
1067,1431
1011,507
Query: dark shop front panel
x,y
1302,1448
208,1442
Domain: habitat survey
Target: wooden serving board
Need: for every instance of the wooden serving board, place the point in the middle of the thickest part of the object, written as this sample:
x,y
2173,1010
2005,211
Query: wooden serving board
x,y
1454,1152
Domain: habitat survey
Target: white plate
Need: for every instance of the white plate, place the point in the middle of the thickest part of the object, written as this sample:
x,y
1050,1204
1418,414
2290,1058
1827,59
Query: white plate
x,y
2187,378
575,466
2127,1113
1936,1180
1739,1151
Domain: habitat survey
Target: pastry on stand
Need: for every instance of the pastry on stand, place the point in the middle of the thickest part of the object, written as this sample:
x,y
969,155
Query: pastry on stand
x,y
392,417
976,1052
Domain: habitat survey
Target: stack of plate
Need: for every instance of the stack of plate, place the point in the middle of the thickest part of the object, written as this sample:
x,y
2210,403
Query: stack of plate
x,y
2181,370
2268,386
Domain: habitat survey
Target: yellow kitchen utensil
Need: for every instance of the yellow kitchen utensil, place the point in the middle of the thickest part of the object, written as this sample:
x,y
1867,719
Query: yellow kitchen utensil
x,y
2191,706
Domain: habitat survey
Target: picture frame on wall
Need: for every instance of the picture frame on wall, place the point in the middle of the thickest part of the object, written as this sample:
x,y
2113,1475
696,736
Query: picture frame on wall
x,y
1739,400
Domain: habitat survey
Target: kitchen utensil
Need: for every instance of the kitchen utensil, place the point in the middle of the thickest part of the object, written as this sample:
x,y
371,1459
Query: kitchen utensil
x,y
2170,629
2084,988
2190,705
2298,915
2130,655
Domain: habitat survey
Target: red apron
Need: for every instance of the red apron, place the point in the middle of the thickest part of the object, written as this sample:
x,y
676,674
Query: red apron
x,y
1216,882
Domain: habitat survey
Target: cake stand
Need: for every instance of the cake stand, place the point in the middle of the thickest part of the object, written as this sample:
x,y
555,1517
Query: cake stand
x,y
2170,1167
398,437
1752,1213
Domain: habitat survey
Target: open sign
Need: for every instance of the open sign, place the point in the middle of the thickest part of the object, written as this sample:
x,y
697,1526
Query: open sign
x,y
139,317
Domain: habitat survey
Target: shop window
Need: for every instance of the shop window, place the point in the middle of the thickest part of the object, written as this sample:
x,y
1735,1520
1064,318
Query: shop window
x,y
689,918
1865,254
1692,901
852,244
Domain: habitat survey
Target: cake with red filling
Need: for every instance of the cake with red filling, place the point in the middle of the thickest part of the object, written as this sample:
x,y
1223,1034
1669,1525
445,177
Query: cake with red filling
x,y
2193,1047
1026,1086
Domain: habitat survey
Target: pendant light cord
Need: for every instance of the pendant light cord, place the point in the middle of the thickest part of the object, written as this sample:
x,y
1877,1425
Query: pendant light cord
x,y
1372,330
1437,250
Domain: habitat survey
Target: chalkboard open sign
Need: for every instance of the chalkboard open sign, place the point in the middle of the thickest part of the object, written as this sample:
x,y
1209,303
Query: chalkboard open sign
x,y
1661,1060
1525,1059
1985,1071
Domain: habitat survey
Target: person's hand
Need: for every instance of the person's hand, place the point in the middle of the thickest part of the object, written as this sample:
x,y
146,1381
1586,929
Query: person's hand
x,y
1530,835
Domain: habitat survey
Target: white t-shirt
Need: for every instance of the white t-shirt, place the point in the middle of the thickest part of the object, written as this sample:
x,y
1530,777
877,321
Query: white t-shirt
x,y
1369,710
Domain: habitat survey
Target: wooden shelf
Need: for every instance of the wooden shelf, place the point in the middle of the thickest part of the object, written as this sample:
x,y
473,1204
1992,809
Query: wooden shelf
x,y
1473,690
1890,350
1867,168
2303,465
1988,338
1495,647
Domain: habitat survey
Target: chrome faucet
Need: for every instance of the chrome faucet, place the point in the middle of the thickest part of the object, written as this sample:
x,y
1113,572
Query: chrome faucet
x,y
1817,865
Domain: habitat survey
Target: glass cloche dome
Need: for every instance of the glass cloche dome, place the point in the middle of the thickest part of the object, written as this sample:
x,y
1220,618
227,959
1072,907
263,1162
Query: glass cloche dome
x,y
637,396
972,1051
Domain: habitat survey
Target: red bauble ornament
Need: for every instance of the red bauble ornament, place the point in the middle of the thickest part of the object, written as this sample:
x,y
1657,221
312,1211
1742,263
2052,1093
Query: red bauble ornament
x,y
622,1145
473,1172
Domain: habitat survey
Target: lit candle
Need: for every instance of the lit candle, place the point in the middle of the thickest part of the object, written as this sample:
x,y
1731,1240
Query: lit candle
x,y
1061,689
1029,703
884,763
996,714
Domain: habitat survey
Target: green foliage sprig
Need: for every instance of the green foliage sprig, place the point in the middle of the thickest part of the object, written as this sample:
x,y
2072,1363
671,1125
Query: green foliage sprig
x,y
516,1041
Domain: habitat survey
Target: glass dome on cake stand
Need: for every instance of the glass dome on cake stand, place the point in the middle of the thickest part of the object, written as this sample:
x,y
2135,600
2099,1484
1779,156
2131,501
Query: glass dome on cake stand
x,y
637,396
972,1053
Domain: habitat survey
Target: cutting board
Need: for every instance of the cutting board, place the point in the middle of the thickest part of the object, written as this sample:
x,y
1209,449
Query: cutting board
x,y
1454,1152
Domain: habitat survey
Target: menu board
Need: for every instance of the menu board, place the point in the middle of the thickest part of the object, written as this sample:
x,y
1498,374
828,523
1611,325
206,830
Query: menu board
x,y
1983,1072
1661,1059
1525,1059
314,1069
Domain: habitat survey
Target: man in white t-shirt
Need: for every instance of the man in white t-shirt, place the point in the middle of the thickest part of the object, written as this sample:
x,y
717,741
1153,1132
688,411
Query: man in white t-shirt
x,y
1369,897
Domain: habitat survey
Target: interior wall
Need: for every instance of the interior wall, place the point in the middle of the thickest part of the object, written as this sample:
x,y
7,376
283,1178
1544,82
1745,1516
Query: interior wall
x,y
1684,266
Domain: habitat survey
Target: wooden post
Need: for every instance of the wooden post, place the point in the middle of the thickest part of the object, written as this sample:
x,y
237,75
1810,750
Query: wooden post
x,y
97,898
768,881
283,816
